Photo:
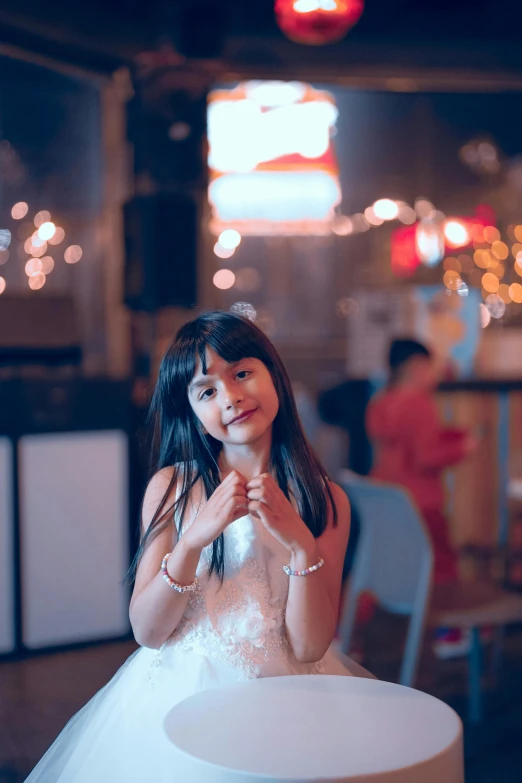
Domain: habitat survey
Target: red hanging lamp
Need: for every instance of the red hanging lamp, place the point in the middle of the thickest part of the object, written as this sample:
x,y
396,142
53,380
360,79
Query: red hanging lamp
x,y
317,22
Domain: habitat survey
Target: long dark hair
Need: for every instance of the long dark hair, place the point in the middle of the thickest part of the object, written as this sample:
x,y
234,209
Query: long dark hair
x,y
180,443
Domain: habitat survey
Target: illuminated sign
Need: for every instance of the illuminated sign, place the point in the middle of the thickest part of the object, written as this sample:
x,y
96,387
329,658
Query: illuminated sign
x,y
271,160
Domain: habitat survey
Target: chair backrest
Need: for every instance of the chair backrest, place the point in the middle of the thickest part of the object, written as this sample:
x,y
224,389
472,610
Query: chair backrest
x,y
394,557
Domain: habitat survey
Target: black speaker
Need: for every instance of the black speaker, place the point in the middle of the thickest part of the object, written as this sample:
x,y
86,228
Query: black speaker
x,y
160,252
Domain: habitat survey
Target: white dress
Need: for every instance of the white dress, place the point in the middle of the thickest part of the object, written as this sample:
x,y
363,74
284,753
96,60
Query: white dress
x,y
230,632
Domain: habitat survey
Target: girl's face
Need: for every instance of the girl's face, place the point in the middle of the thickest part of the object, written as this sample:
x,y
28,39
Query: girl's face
x,y
236,403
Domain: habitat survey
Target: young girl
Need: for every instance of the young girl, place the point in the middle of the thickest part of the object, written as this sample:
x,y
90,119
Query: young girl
x,y
239,567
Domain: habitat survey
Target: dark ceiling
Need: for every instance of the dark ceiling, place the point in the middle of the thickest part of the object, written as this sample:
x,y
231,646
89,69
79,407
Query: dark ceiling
x,y
100,35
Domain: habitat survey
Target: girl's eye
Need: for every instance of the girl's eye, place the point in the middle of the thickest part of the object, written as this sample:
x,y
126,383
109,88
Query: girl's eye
x,y
242,374
205,395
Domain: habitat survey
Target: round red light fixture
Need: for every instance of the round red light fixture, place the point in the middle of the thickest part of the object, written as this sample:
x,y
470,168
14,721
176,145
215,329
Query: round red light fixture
x,y
317,22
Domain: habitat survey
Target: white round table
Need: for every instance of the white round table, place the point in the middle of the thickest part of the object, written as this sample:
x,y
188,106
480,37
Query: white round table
x,y
324,728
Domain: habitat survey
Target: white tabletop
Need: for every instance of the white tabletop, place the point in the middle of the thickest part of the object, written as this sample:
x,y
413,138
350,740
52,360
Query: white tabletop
x,y
317,728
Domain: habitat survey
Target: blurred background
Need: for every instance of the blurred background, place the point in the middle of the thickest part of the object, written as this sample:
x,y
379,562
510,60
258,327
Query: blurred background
x,y
340,172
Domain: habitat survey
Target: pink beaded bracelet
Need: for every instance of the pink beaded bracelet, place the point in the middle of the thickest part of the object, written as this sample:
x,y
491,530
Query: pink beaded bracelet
x,y
316,567
172,583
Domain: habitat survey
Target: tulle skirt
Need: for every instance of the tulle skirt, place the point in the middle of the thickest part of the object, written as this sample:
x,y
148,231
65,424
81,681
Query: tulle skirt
x,y
118,737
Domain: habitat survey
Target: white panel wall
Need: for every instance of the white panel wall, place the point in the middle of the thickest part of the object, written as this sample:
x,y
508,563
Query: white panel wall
x,y
74,536
6,547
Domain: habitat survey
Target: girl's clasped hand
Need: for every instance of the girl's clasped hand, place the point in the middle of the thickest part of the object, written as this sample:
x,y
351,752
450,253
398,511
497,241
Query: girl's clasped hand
x,y
234,498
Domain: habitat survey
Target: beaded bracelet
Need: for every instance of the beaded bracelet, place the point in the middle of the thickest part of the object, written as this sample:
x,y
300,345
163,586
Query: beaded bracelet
x,y
316,567
172,583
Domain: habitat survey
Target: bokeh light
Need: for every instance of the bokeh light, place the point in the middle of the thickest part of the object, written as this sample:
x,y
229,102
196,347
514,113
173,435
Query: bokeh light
x,y
47,264
491,234
423,207
456,233
224,278
482,258
496,306
2,285
490,282
41,217
223,252
36,281
20,210
518,233
452,264
47,231
485,316
386,209
33,266
73,254
359,222
466,262
35,247
500,250
372,218
59,236
229,239
515,292
406,214
503,293
498,270
342,226
452,280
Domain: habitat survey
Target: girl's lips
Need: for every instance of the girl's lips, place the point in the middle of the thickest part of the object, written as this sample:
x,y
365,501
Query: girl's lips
x,y
243,417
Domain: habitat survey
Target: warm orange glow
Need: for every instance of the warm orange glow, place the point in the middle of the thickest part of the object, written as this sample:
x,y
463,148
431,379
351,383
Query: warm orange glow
x,y
482,258
503,293
452,264
500,250
466,262
515,292
491,234
518,233
490,282
452,280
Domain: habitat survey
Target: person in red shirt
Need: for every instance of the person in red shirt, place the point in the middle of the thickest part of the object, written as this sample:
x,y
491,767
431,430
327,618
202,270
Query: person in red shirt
x,y
412,448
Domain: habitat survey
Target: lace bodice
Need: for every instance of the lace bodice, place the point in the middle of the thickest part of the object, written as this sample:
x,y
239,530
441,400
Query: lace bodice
x,y
240,621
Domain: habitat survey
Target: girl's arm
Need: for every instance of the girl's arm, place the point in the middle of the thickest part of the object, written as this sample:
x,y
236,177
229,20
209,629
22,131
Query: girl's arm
x,y
155,608
313,601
